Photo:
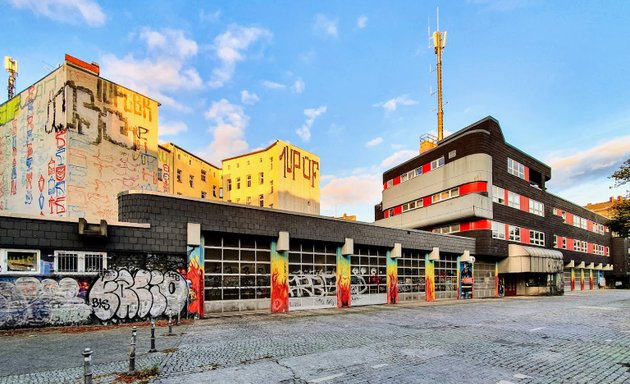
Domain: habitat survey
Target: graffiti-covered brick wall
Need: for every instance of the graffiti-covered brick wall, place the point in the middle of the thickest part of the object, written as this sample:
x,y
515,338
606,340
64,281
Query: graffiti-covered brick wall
x,y
71,142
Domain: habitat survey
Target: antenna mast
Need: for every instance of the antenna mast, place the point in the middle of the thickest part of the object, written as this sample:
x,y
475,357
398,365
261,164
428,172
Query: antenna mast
x,y
439,43
11,66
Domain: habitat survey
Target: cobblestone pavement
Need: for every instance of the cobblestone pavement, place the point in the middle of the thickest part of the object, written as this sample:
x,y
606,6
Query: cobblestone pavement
x,y
581,337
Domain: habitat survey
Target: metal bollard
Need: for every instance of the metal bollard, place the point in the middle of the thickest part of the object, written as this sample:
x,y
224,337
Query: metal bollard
x,y
87,366
170,325
132,351
152,337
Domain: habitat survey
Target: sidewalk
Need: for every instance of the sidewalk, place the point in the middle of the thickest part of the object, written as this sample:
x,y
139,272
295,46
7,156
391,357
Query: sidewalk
x,y
53,355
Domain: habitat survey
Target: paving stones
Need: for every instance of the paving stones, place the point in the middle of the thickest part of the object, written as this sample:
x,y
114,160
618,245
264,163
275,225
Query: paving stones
x,y
577,338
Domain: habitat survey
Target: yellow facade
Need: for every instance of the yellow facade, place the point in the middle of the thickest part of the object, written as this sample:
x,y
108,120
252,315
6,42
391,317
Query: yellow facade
x,y
182,173
280,176
604,208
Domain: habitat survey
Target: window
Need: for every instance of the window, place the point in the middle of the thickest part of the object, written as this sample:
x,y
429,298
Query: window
x,y
537,238
248,201
404,177
514,200
159,174
271,163
445,195
249,181
191,181
498,230
220,193
498,194
203,175
203,194
412,205
515,233
261,200
437,163
238,183
390,183
418,171
536,207
229,184
447,229
452,154
271,185
261,178
515,168
564,243
179,175
214,191
19,261
80,262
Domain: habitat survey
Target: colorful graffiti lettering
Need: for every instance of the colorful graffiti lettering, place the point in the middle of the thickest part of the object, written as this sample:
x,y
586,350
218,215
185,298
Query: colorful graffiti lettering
x,y
28,302
123,295
343,280
279,280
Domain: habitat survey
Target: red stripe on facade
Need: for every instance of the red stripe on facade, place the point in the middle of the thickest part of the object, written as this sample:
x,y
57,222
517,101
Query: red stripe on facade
x,y
398,210
384,185
570,244
426,168
589,225
591,248
475,225
569,219
524,203
525,236
475,187
396,180
526,173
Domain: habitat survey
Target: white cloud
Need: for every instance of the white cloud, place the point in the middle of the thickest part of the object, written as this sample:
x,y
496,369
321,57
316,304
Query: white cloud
x,y
272,85
393,104
230,48
341,193
298,86
163,70
68,11
249,98
311,115
171,128
579,167
325,26
362,21
374,142
229,122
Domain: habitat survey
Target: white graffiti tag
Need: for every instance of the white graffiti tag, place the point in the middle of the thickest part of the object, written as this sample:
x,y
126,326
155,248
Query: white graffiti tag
x,y
120,294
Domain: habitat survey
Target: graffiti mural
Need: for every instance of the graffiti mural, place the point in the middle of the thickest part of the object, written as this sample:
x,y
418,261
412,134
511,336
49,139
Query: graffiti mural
x,y
119,294
581,279
71,142
392,279
194,280
30,302
590,279
343,280
430,278
572,279
279,280
465,276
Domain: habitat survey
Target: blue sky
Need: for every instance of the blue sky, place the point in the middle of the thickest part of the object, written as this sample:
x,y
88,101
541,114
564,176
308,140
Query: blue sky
x,y
350,80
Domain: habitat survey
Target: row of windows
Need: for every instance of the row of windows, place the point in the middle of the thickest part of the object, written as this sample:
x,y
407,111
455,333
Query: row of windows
x,y
261,181
419,203
17,261
260,160
447,229
579,222
580,246
515,168
514,234
514,201
437,163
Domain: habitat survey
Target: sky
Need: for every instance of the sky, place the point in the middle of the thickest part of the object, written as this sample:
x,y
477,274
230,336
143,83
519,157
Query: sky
x,y
352,81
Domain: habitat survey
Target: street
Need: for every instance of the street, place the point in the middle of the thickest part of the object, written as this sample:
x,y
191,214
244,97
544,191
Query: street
x,y
582,337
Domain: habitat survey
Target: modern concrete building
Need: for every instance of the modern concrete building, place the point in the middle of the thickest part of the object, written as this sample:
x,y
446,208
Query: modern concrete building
x,y
473,183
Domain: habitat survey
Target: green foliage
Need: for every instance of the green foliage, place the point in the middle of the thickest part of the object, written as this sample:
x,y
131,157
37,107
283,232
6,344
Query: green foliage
x,y
620,221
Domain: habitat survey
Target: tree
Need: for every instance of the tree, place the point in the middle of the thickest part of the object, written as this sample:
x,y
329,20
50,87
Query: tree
x,y
620,221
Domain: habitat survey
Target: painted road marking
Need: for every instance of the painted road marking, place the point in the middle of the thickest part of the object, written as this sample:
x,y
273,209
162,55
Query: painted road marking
x,y
537,329
322,379
521,376
379,366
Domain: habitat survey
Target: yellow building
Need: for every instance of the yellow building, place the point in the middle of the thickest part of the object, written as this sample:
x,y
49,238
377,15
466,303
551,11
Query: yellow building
x,y
182,173
604,208
280,176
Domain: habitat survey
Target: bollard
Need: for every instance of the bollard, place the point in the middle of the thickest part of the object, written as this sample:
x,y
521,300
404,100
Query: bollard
x,y
132,351
177,321
87,366
152,337
170,325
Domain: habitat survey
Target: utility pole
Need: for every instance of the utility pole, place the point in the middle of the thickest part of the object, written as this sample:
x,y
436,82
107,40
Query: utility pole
x,y
11,66
439,43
